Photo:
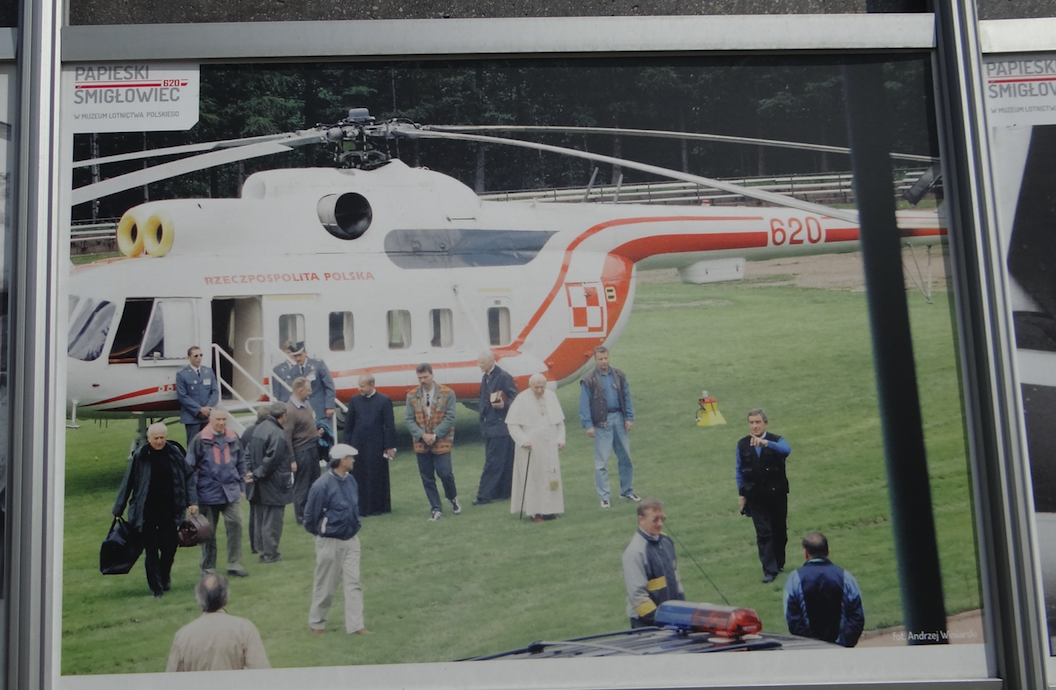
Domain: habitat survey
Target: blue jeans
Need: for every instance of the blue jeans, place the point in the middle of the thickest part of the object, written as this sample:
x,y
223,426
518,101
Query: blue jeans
x,y
612,438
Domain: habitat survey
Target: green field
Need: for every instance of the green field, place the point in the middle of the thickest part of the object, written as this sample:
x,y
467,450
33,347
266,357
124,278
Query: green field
x,y
483,582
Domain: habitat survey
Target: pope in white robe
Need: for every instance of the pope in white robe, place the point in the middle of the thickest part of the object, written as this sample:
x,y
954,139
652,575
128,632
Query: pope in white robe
x,y
537,426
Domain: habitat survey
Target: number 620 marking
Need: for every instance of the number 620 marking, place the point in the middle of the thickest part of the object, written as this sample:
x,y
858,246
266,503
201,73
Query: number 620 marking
x,y
795,231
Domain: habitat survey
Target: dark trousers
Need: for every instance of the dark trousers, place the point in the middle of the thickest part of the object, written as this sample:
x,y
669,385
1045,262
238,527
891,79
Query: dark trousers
x,y
267,521
307,458
770,517
440,465
193,428
254,529
159,551
497,477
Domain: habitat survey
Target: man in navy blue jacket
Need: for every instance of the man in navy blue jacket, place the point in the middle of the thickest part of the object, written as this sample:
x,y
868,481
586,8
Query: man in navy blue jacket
x,y
197,391
332,515
822,600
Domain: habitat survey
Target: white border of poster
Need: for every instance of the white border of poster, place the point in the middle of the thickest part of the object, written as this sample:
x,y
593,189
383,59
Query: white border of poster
x,y
1021,95
892,665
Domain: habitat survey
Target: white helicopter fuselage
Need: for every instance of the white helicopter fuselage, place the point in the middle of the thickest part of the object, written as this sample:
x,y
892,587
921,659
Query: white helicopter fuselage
x,y
438,276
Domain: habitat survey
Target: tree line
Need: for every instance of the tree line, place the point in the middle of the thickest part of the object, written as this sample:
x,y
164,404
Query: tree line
x,y
797,99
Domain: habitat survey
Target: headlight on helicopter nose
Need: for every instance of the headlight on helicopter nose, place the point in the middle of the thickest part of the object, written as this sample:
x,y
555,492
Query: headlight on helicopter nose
x,y
345,216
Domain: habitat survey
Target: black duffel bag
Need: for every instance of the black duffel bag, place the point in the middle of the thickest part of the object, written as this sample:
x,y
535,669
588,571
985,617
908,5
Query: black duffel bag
x,y
120,549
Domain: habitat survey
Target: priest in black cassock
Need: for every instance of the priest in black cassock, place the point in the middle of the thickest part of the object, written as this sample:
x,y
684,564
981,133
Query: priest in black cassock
x,y
497,391
371,430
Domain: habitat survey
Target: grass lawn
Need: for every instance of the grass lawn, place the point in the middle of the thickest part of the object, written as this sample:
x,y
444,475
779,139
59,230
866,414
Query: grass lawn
x,y
483,582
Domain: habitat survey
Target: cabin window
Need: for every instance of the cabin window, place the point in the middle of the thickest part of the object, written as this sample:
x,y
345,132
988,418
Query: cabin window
x,y
130,330
291,329
442,335
342,334
171,332
399,322
89,328
499,326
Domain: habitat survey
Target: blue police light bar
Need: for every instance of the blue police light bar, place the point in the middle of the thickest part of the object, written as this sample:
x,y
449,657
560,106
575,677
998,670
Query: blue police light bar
x,y
728,621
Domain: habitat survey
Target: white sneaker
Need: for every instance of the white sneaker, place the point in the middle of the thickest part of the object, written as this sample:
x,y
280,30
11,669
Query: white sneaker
x,y
456,507
605,504
633,497
435,516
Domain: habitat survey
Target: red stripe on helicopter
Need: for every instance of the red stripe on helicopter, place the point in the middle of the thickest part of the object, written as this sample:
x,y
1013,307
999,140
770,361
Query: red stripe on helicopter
x,y
636,250
719,239
852,234
163,406
135,394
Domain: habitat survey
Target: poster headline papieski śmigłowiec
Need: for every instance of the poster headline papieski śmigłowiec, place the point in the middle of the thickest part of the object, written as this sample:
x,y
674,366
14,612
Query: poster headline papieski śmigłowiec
x,y
1020,90
131,97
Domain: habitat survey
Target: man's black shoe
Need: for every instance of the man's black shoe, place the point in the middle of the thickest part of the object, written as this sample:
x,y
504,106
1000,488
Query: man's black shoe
x,y
478,501
769,578
157,595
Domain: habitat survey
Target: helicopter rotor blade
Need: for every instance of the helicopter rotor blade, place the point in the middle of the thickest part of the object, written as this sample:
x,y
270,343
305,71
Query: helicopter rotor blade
x,y
668,134
172,169
769,197
298,138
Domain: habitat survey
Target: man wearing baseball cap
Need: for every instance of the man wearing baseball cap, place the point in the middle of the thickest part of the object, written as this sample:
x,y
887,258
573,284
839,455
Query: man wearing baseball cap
x,y
332,515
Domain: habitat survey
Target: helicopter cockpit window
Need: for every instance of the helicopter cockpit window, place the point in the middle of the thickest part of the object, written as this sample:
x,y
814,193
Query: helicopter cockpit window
x,y
291,329
89,328
342,331
499,326
444,248
399,328
171,332
442,328
130,330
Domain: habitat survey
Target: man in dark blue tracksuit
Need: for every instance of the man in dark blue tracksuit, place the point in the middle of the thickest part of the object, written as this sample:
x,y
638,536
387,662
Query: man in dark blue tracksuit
x,y
823,600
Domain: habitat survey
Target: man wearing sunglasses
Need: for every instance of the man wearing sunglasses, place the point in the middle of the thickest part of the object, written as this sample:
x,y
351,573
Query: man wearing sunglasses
x,y
197,392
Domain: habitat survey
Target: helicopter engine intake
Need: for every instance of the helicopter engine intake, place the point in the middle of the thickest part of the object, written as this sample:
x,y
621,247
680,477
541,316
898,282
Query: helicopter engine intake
x,y
345,216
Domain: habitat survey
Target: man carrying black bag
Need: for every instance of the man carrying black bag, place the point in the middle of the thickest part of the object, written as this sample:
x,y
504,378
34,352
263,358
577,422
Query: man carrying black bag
x,y
162,488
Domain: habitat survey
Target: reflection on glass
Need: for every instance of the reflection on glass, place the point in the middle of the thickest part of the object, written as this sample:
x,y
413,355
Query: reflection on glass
x,y
89,329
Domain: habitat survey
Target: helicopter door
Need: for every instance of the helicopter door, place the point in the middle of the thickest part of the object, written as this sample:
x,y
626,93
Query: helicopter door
x,y
236,320
586,308
170,330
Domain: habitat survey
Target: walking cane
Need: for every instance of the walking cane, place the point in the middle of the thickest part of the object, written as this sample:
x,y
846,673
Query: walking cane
x,y
527,464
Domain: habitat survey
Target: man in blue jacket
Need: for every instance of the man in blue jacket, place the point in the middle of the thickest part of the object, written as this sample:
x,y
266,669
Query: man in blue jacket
x,y
332,515
219,464
197,391
822,600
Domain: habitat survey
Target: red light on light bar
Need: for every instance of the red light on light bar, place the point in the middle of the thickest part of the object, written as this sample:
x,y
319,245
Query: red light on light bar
x,y
728,621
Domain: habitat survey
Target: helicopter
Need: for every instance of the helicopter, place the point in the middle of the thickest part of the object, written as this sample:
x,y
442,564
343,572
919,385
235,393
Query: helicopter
x,y
378,266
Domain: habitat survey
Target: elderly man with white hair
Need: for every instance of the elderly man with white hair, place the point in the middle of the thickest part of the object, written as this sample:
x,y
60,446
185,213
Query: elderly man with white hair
x,y
332,515
537,426
219,463
159,488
